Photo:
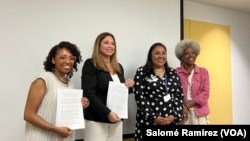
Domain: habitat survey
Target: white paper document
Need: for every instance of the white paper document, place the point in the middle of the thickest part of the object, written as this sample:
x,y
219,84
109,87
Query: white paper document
x,y
117,99
69,108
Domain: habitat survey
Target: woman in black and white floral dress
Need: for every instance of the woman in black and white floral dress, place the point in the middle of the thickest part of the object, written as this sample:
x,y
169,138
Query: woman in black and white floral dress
x,y
158,92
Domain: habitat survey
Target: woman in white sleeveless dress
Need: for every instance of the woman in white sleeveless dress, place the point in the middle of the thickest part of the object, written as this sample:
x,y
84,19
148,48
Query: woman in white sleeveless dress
x,y
40,108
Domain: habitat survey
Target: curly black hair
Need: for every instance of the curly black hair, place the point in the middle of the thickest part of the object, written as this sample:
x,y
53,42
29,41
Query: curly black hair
x,y
49,66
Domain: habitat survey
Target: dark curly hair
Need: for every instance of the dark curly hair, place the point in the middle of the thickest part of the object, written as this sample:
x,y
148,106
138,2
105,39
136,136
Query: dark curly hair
x,y
49,66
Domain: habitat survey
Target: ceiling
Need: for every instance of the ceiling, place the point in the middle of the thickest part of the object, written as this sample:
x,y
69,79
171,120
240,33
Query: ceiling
x,y
238,5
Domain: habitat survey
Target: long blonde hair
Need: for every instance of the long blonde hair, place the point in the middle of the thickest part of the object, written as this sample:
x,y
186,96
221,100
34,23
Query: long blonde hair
x,y
97,57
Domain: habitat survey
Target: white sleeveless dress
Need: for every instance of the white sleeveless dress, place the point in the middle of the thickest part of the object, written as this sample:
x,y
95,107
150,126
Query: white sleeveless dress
x,y
47,110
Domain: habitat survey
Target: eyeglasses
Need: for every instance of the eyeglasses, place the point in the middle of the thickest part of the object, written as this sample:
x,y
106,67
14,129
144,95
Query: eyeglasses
x,y
70,58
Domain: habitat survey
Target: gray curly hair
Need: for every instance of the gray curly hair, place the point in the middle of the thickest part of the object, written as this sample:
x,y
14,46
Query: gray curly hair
x,y
183,44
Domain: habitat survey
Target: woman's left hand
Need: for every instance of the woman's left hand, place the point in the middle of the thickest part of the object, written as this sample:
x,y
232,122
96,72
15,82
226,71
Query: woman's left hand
x,y
85,102
129,82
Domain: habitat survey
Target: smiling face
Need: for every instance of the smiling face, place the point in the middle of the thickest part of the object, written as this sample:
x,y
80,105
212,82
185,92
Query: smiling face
x,y
159,56
107,46
189,56
63,61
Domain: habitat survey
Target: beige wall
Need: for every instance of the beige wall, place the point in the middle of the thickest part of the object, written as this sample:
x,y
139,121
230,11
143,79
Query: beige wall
x,y
214,40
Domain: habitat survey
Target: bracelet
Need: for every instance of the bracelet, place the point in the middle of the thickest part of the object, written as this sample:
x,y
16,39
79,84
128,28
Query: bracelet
x,y
49,127
186,106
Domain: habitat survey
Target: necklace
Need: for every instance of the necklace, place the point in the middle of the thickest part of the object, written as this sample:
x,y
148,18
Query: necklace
x,y
189,69
160,73
61,81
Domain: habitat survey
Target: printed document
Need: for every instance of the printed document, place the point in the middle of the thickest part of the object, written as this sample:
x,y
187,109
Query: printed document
x,y
117,99
69,108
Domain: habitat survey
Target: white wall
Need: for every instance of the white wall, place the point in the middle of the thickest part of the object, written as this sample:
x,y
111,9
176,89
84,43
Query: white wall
x,y
239,25
29,28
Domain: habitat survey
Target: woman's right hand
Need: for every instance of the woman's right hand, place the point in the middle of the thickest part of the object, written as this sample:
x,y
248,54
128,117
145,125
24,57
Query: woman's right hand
x,y
185,114
63,132
163,120
113,117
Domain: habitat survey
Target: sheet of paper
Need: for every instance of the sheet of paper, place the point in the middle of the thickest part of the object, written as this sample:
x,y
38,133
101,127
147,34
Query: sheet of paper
x,y
69,108
117,99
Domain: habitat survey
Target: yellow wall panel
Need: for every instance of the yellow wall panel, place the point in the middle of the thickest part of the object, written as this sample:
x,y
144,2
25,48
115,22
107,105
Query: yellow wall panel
x,y
214,40
186,28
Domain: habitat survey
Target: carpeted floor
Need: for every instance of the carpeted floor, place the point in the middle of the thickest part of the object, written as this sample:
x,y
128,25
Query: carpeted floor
x,y
129,139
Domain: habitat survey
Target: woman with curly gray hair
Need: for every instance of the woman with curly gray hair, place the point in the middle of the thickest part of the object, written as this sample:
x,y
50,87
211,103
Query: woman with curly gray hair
x,y
195,83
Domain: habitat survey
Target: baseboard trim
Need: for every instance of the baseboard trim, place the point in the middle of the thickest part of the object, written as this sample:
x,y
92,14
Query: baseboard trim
x,y
125,136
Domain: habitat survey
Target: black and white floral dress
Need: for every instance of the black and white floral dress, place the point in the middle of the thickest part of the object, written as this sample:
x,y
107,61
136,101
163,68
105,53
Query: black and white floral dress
x,y
149,92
